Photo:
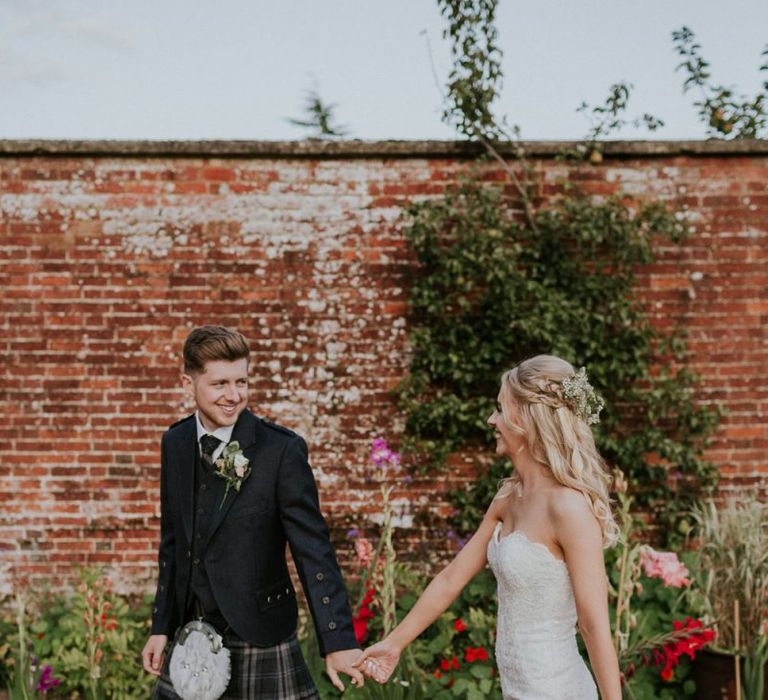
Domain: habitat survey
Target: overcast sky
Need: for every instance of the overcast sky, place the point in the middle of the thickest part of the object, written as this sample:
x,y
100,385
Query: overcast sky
x,y
235,69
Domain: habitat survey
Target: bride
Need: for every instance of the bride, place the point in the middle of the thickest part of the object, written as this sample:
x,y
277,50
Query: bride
x,y
543,536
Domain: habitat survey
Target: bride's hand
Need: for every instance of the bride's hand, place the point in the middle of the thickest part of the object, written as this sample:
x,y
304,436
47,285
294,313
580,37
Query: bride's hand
x,y
379,661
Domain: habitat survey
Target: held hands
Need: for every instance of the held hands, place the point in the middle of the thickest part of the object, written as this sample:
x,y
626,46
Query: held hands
x,y
342,662
379,661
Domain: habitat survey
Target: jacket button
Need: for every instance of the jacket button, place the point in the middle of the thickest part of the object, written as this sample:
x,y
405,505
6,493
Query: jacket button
x,y
269,598
287,591
189,553
162,587
162,564
154,610
196,562
331,625
325,600
320,576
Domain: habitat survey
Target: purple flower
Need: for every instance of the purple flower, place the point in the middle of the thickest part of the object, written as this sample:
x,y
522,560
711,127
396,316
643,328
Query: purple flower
x,y
381,454
47,680
379,444
352,532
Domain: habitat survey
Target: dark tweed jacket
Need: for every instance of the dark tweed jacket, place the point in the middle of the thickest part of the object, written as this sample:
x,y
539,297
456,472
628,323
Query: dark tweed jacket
x,y
245,552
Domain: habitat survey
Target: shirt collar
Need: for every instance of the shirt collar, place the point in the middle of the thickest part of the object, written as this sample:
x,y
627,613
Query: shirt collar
x,y
224,433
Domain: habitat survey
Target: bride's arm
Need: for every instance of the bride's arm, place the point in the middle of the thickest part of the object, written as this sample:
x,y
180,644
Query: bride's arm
x,y
579,535
436,598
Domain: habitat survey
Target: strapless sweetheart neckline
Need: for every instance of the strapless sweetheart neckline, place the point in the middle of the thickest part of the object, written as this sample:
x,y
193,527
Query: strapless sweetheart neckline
x,y
519,533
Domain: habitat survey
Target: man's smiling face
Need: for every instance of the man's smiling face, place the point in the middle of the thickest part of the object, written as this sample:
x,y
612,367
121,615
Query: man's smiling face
x,y
220,392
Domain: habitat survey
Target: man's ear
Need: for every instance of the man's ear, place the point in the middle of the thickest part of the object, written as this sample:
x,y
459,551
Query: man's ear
x,y
188,383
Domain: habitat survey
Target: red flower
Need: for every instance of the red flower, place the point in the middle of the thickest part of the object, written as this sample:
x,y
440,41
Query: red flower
x,y
360,621
458,625
669,656
475,654
448,664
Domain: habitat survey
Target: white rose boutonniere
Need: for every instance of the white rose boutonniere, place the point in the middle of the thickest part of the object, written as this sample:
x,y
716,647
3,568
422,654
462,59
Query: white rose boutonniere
x,y
233,467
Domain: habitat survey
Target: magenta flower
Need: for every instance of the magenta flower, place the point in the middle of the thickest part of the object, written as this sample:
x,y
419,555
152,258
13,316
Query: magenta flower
x,y
664,565
381,455
47,680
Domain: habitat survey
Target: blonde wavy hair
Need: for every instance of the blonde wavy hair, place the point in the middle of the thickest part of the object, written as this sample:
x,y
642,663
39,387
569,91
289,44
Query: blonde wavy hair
x,y
555,436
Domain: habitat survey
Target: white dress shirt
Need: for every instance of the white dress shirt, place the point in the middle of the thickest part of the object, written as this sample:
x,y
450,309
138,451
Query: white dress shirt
x,y
224,434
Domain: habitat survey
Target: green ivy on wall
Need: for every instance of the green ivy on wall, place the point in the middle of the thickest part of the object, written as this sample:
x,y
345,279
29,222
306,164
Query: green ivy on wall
x,y
491,291
502,277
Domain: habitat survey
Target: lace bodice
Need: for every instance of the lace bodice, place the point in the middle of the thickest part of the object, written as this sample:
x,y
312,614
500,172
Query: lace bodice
x,y
535,642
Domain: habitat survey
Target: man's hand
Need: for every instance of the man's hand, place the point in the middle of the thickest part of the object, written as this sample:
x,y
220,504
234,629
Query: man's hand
x,y
379,661
153,652
342,662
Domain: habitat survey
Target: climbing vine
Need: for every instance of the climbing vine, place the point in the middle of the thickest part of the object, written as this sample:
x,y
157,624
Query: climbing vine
x,y
500,282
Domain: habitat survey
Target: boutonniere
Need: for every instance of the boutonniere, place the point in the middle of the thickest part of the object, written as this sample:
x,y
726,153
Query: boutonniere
x,y
233,467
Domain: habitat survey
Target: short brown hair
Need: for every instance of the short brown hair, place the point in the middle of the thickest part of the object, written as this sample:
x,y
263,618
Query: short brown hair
x,y
211,343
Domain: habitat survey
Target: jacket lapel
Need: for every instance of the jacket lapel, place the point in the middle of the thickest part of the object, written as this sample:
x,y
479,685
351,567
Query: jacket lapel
x,y
182,457
244,433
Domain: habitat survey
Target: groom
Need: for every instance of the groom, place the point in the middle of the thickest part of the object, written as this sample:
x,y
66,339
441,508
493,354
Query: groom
x,y
222,541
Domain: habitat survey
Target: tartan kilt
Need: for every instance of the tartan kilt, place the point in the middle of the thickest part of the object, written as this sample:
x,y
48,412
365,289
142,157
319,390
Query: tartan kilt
x,y
258,673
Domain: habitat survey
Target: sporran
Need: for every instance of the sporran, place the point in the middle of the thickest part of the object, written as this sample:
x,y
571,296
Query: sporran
x,y
200,664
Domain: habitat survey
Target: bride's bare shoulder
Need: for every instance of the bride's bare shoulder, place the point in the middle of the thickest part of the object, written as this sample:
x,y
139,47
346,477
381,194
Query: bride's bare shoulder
x,y
570,506
501,501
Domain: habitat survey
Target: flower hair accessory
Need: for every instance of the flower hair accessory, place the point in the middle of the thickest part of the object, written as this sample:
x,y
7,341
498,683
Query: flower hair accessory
x,y
582,398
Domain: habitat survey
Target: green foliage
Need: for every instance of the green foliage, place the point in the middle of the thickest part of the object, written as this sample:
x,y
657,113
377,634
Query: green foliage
x,y
446,644
92,639
733,545
319,118
492,292
606,119
654,609
6,651
475,80
420,674
727,115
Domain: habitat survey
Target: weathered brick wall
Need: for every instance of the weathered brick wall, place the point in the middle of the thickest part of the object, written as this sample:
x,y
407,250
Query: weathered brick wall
x,y
112,252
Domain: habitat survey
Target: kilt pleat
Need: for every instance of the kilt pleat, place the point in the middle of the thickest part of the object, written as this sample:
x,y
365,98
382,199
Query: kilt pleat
x,y
258,673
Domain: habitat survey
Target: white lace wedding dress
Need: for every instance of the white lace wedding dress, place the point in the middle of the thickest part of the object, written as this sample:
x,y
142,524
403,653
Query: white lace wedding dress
x,y
536,648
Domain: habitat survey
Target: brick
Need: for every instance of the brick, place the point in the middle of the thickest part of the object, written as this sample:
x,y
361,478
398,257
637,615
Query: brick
x,y
307,257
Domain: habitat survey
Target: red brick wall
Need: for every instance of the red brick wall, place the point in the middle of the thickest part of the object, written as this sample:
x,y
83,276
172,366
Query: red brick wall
x,y
111,253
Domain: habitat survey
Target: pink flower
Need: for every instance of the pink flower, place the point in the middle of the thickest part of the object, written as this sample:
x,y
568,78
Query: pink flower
x,y
364,550
381,455
664,565
47,680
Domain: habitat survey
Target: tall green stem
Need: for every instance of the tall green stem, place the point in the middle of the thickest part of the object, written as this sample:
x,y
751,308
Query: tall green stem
x,y
20,690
